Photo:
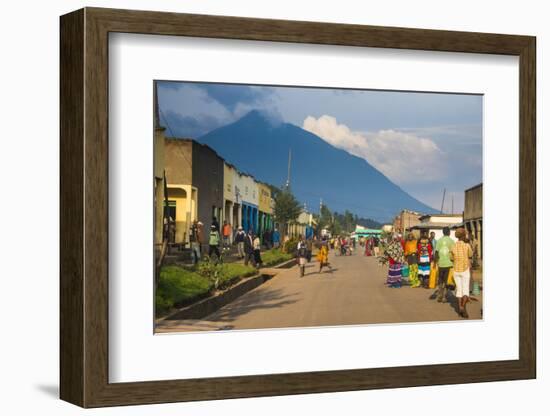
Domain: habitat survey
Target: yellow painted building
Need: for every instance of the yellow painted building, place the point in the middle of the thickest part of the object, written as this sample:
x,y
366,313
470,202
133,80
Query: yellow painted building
x,y
158,182
232,204
299,227
265,208
182,196
264,203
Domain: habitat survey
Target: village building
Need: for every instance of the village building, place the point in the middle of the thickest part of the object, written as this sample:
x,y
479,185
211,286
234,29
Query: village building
x,y
195,177
473,217
158,182
365,232
232,204
303,226
265,208
208,177
248,198
436,223
182,195
405,220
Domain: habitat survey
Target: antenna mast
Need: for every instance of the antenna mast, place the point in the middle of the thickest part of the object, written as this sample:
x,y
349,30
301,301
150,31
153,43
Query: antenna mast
x,y
288,171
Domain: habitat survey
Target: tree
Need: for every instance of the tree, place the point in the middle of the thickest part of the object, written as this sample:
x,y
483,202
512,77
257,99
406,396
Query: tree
x,y
325,218
287,208
348,221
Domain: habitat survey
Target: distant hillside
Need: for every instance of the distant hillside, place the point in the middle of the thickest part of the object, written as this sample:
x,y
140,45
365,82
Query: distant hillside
x,y
368,223
259,146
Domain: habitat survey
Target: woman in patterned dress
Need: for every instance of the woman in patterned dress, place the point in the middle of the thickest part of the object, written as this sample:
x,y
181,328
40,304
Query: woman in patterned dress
x,y
424,258
394,254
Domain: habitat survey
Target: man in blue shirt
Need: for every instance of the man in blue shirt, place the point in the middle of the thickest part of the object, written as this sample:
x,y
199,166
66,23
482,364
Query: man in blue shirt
x,y
276,238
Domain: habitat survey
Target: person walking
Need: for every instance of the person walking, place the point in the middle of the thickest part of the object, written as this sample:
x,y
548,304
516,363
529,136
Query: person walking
x,y
267,239
301,254
226,234
239,240
443,251
249,249
257,243
433,241
337,245
322,255
214,242
276,238
424,259
309,248
343,246
411,255
461,253
195,240
396,258
216,224
368,247
376,246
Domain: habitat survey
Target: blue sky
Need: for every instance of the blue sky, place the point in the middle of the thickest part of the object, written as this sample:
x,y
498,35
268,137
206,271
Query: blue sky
x,y
424,142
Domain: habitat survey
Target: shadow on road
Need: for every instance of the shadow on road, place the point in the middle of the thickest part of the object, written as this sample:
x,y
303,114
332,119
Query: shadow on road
x,y
262,299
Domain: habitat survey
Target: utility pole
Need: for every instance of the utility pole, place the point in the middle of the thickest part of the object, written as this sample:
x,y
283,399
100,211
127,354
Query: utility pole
x,y
452,204
443,201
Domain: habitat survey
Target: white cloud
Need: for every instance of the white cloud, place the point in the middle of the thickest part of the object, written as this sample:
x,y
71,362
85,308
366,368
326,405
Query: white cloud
x,y
402,157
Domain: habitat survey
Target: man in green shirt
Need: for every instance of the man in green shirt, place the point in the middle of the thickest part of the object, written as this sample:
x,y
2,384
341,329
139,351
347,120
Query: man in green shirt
x,y
443,250
214,242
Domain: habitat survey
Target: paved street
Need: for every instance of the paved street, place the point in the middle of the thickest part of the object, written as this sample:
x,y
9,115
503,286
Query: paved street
x,y
353,293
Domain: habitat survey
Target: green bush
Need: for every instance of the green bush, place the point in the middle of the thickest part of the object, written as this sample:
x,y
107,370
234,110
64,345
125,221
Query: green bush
x,y
291,246
275,256
178,286
232,270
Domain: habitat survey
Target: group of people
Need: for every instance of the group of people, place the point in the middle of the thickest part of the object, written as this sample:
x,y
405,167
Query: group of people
x,y
196,237
248,243
417,258
342,245
249,247
371,244
347,245
304,253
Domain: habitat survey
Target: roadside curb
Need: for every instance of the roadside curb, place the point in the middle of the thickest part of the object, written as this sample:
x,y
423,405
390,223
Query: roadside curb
x,y
213,303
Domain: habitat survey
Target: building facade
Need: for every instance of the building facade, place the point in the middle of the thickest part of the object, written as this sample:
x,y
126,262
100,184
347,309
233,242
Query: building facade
x,y
208,179
473,217
231,208
265,208
182,195
303,226
405,220
249,199
158,183
436,222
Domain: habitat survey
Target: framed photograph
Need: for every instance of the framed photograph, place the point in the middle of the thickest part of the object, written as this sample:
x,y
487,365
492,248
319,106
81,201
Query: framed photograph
x,y
255,207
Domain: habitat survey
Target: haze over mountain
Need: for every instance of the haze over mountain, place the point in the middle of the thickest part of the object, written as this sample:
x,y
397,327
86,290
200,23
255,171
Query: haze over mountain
x,y
259,145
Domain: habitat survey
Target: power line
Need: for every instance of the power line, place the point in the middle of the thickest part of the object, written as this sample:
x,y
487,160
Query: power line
x,y
166,122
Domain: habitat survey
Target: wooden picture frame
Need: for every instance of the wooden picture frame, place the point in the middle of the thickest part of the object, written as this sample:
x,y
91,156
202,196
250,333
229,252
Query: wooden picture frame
x,y
84,207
